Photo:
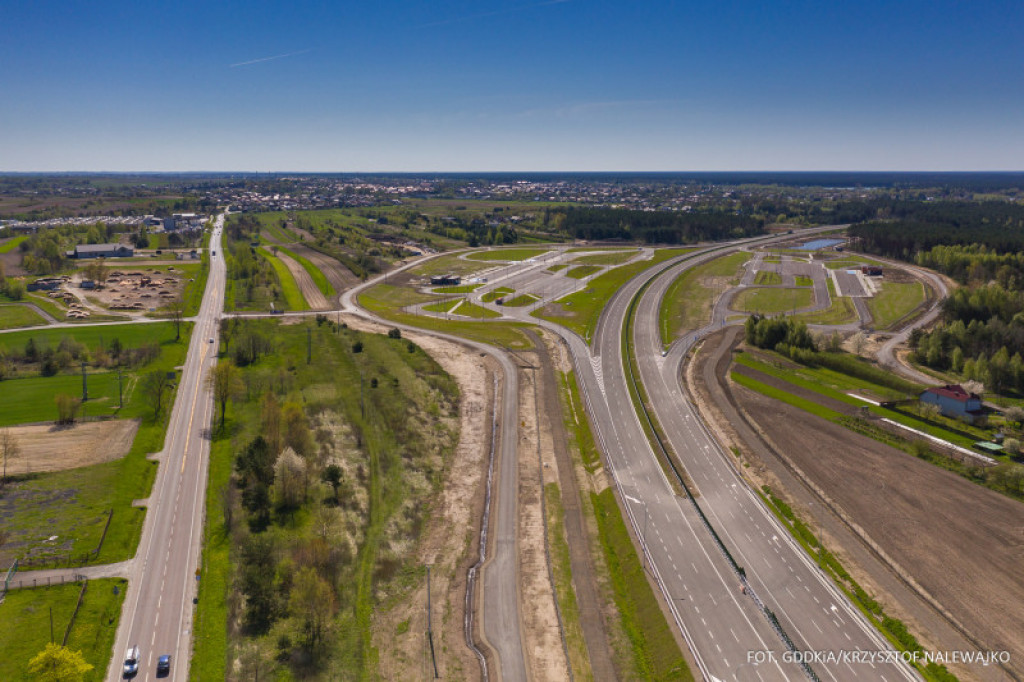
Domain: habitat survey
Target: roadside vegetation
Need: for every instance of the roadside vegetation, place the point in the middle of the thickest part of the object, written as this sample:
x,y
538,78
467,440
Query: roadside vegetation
x,y
688,300
580,311
321,482
293,298
772,300
43,382
25,625
252,281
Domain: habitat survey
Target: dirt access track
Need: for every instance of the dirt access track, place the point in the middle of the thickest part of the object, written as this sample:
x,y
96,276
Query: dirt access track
x,y
962,543
48,447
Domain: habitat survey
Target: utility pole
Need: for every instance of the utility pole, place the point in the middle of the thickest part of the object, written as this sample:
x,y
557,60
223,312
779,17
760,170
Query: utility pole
x,y
430,632
120,390
85,386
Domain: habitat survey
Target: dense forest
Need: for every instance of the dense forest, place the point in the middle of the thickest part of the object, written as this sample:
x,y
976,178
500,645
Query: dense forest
x,y
981,245
653,227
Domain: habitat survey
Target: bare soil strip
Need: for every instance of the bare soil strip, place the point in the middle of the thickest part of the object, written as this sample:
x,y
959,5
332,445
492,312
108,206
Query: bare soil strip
x,y
310,291
47,447
340,277
960,543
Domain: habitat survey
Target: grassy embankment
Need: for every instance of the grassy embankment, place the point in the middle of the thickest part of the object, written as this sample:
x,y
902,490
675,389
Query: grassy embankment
x,y
74,504
319,278
610,258
581,271
25,625
293,298
580,311
643,646
688,300
388,478
507,254
14,316
866,378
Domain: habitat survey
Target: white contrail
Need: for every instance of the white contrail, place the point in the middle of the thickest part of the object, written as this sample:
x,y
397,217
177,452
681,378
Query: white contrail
x,y
267,59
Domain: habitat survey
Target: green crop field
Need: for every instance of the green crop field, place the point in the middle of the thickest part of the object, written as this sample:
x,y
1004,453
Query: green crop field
x,y
14,316
687,301
895,301
580,311
25,625
771,301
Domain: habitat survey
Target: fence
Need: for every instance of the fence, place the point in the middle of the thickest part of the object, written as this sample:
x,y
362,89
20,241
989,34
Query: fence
x,y
68,559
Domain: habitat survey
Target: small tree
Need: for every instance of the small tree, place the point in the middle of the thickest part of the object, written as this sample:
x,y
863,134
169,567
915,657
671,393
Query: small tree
x,y
312,602
57,663
333,475
155,385
395,333
930,411
10,450
1012,446
289,472
226,382
67,408
177,308
975,387
1015,414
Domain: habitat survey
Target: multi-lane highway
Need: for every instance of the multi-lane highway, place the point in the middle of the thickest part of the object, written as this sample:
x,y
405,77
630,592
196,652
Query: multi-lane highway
x,y
158,610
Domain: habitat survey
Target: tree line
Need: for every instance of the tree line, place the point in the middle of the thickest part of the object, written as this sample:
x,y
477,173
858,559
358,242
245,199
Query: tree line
x,y
653,227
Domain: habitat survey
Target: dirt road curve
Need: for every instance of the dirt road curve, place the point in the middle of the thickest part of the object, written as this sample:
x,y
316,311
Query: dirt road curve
x,y
962,543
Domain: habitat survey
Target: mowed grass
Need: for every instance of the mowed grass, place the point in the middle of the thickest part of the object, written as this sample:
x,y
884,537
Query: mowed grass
x,y
655,652
462,289
611,258
14,316
580,311
387,300
803,281
442,306
688,300
840,312
11,244
895,301
25,625
450,265
471,310
507,254
770,301
581,271
496,294
293,298
319,278
521,300
767,277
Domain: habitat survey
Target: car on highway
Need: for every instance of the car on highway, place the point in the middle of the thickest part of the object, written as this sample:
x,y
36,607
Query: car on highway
x,y
163,665
131,661
211,340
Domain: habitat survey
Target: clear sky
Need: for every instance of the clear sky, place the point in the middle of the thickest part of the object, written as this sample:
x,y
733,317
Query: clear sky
x,y
490,85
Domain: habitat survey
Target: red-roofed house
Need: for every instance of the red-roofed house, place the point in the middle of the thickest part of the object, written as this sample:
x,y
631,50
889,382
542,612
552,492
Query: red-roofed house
x,y
954,401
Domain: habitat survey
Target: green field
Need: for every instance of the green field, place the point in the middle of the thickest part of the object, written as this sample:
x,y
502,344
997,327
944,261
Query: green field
x,y
387,300
461,289
581,271
293,298
803,281
11,244
443,306
559,266
450,265
496,294
314,272
840,312
14,316
521,300
610,258
580,311
767,277
687,301
895,301
771,301
25,625
507,254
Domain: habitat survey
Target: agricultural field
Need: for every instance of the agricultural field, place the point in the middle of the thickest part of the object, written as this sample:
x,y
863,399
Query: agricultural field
x,y
356,444
73,505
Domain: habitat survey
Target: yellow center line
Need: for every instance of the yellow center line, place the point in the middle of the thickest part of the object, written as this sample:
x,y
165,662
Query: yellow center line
x,y
192,412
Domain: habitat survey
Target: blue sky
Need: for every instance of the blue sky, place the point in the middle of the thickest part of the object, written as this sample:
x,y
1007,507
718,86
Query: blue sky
x,y
487,85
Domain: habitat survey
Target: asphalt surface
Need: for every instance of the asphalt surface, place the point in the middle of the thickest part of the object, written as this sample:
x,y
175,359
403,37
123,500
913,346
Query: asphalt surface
x,y
158,611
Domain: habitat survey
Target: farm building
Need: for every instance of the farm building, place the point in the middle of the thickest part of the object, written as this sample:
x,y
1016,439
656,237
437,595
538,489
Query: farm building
x,y
954,401
101,251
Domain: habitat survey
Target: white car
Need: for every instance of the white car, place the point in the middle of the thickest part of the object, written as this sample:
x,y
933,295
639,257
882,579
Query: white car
x,y
131,661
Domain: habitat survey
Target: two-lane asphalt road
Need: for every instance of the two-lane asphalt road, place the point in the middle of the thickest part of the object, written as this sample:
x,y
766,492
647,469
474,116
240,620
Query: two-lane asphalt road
x,y
158,610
